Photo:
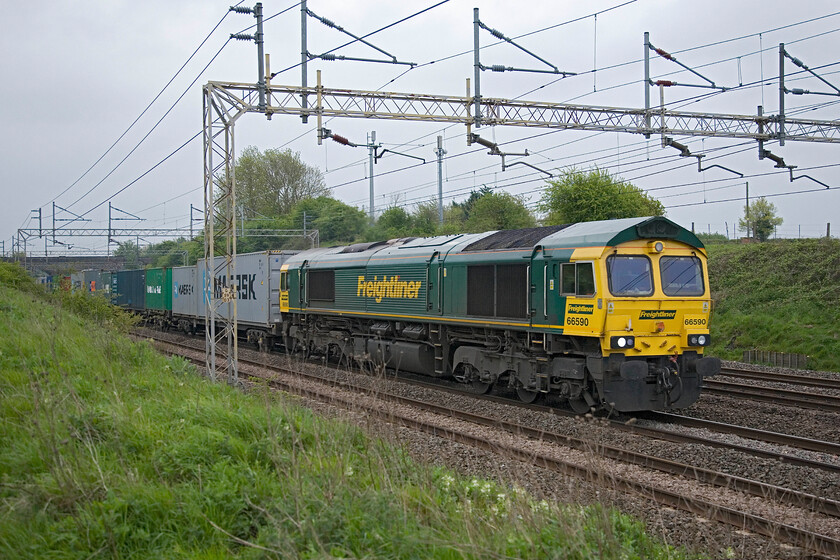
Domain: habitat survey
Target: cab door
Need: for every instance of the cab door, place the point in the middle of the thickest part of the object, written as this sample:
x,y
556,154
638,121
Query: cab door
x,y
303,285
537,286
549,304
284,288
434,284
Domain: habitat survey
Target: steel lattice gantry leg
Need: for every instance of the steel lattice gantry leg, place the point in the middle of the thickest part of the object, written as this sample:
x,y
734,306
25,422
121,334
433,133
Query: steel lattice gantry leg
x,y
219,271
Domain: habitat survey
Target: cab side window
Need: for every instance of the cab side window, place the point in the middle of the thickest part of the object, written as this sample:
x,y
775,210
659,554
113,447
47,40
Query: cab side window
x,y
585,280
577,279
284,281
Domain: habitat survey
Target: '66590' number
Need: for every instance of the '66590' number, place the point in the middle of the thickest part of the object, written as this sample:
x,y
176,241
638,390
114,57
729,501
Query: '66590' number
x,y
578,321
695,322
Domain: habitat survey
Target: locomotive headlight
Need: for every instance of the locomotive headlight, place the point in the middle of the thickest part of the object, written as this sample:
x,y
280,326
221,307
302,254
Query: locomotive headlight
x,y
698,340
655,247
622,342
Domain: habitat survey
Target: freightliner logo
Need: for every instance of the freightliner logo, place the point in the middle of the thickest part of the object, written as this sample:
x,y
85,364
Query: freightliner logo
x,y
657,314
581,308
391,287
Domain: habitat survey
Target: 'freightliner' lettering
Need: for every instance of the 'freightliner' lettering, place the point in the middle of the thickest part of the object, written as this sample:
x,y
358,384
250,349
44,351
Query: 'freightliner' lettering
x,y
657,314
391,287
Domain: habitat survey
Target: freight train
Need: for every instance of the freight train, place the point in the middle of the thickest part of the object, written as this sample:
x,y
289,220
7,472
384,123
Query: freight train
x,y
609,314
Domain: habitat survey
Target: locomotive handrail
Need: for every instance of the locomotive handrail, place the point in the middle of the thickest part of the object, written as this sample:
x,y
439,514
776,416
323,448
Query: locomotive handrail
x,y
528,287
545,290
440,287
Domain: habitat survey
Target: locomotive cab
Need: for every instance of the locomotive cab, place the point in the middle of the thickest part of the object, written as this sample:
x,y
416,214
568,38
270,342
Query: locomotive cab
x,y
646,300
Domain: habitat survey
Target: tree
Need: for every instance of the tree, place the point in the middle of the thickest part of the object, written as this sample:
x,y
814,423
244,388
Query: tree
x,y
392,223
335,221
498,211
761,218
272,182
585,196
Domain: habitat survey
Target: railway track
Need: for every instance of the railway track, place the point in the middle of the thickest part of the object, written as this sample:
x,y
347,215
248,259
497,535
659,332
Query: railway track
x,y
777,377
826,403
809,540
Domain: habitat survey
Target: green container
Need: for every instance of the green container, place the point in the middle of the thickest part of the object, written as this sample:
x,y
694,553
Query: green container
x,y
159,289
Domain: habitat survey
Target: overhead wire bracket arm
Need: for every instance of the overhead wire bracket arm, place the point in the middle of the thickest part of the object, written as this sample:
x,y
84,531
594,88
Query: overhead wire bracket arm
x,y
133,217
525,163
668,56
329,57
686,152
473,138
500,68
333,25
798,91
780,163
382,152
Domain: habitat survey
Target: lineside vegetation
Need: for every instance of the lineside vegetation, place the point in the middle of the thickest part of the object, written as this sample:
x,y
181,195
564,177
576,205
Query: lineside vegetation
x,y
110,450
782,295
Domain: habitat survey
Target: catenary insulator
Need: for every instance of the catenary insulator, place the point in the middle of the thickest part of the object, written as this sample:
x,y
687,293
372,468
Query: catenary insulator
x,y
241,36
498,68
240,9
664,54
327,56
340,139
665,83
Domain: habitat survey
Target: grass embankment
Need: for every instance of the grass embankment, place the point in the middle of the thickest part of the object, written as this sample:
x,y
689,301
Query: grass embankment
x,y
781,295
110,450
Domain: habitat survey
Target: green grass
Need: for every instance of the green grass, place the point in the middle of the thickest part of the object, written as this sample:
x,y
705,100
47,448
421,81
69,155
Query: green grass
x,y
782,295
110,450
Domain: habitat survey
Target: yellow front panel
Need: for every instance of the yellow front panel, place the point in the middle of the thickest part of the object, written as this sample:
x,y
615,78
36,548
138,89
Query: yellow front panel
x,y
659,323
284,294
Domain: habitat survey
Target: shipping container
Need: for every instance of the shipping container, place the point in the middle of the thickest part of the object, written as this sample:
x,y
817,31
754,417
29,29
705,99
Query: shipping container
x,y
184,291
256,279
77,280
92,280
105,280
128,289
159,289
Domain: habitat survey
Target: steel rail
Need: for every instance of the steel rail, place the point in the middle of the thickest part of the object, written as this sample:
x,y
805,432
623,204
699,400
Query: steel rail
x,y
817,445
821,544
827,403
791,378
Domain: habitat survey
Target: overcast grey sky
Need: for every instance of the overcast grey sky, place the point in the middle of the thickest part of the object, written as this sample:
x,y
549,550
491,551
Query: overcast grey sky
x,y
76,75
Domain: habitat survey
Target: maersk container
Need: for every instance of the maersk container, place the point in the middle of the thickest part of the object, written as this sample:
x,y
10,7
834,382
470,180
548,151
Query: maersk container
x,y
185,292
256,279
159,289
128,289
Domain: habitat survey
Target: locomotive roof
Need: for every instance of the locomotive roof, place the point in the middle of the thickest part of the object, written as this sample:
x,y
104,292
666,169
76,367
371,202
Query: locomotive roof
x,y
604,233
608,233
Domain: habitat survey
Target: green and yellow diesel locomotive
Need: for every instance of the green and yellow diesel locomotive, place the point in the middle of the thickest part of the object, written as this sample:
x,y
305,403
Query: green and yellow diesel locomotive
x,y
611,314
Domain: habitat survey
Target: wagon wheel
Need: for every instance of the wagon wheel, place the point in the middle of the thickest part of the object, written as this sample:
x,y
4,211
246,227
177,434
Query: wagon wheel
x,y
479,387
526,395
579,405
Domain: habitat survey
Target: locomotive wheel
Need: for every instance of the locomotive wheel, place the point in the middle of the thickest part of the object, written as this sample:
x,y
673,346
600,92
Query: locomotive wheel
x,y
579,405
526,396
